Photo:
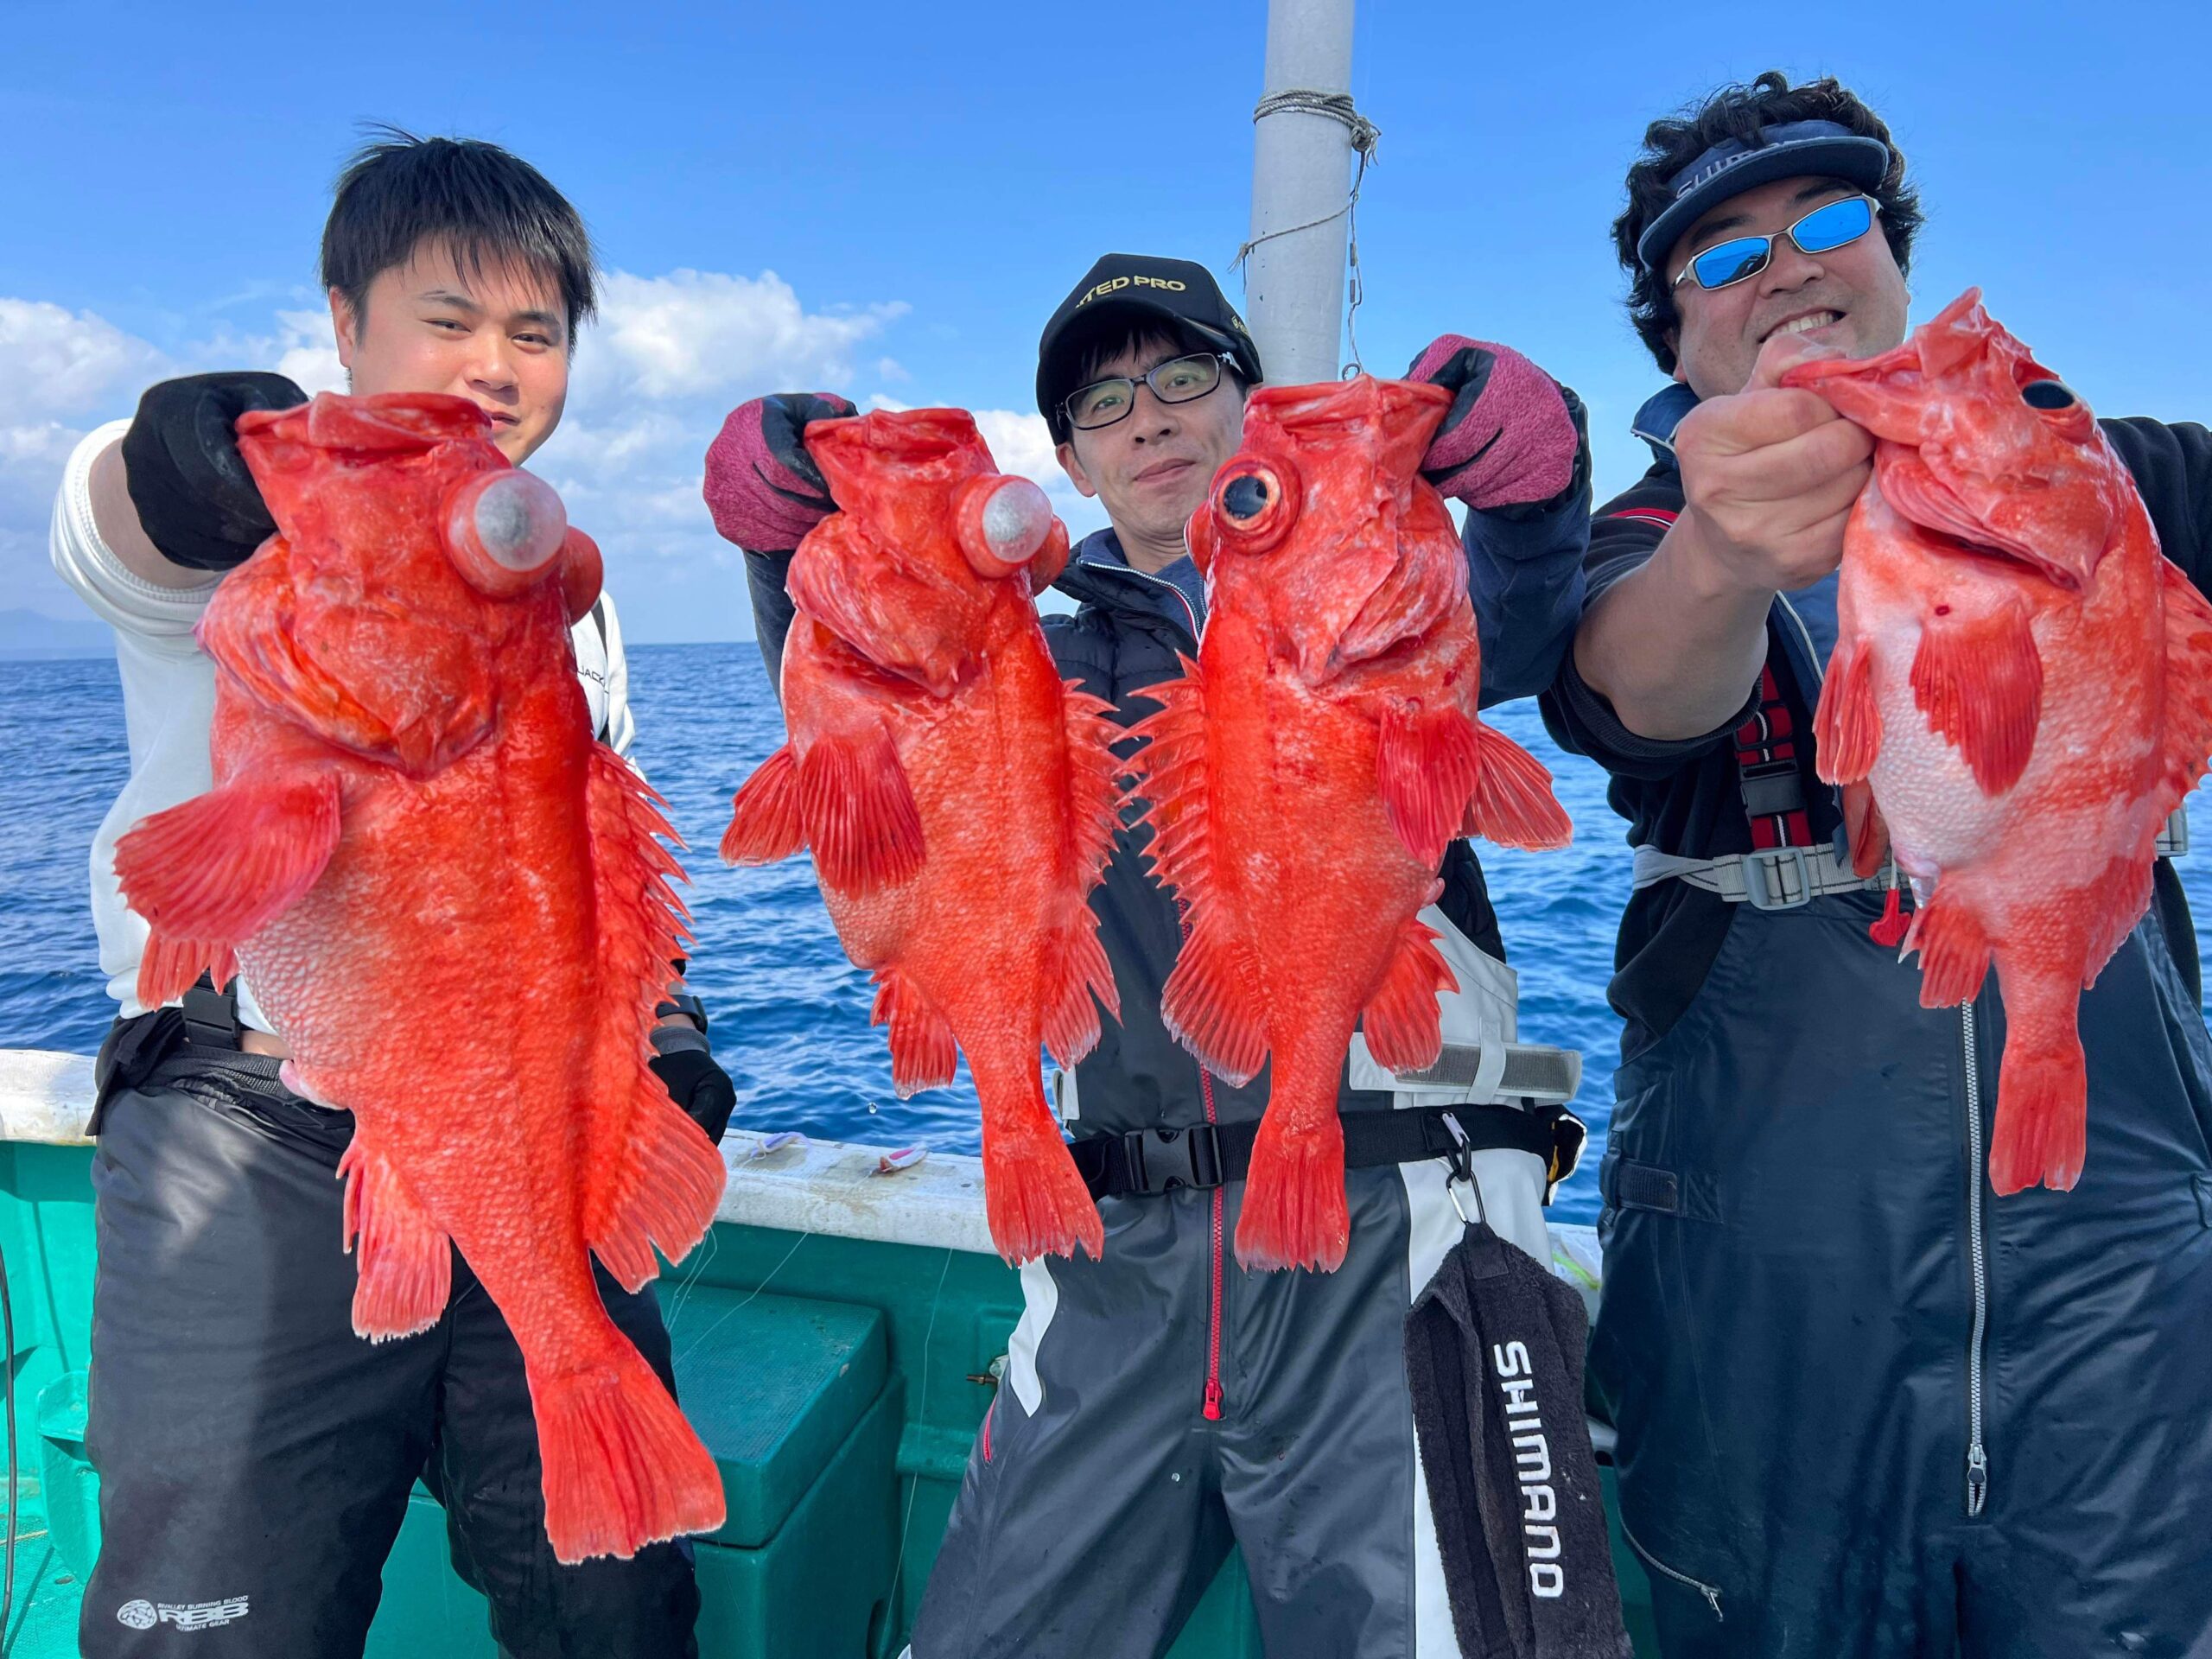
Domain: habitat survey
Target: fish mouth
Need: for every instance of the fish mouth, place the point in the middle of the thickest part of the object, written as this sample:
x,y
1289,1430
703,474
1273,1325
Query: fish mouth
x,y
1816,320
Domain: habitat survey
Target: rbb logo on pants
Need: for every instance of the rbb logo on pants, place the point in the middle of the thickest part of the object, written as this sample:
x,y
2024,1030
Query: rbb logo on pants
x,y
192,1616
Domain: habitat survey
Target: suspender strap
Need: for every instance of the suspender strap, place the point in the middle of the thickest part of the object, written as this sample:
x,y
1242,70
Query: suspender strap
x,y
1203,1155
1766,761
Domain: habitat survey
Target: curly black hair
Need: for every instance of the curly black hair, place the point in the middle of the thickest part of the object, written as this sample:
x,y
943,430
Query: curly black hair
x,y
1742,112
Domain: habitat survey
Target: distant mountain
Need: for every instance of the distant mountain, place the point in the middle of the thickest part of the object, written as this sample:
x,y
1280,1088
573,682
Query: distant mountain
x,y
27,633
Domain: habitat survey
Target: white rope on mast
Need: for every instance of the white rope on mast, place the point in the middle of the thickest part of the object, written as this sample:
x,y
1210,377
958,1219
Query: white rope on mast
x,y
1366,137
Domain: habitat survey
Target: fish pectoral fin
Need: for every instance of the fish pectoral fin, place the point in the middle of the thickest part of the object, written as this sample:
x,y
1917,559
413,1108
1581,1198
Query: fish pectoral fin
x,y
923,1052
1847,725
1978,679
858,810
1513,803
210,872
764,823
404,1259
1403,1023
1427,764
2189,679
1213,1003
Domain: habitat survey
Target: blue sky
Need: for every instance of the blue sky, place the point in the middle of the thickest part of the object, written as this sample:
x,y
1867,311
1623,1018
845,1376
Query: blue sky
x,y
925,182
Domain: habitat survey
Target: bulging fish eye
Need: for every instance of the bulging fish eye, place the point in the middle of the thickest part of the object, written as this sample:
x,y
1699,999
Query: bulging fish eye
x,y
1001,522
2048,394
502,531
1255,503
1246,498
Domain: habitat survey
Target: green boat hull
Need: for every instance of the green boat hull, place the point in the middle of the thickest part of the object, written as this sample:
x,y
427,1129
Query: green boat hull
x,y
839,1380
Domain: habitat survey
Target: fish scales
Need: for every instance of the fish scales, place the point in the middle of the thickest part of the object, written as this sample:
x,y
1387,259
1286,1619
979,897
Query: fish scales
x,y
959,798
454,905
2019,697
1304,777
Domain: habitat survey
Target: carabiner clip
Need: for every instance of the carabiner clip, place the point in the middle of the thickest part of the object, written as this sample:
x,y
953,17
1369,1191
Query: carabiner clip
x,y
1460,1166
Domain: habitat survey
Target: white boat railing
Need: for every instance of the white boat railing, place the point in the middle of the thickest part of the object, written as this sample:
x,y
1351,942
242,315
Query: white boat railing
x,y
831,1187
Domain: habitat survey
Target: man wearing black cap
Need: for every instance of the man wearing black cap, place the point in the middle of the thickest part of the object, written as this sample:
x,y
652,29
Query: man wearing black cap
x,y
1863,1408
1160,1404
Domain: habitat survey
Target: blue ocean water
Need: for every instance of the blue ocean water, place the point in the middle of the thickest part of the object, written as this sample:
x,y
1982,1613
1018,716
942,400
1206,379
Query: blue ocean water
x,y
790,1013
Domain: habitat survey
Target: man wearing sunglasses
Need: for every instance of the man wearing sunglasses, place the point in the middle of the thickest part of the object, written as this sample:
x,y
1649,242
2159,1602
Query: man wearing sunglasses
x,y
1159,1404
1863,1407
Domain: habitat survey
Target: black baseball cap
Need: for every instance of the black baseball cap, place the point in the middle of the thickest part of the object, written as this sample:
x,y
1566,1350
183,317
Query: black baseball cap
x,y
1787,149
1131,289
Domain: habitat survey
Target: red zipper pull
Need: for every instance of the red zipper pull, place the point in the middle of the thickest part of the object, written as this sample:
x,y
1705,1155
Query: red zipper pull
x,y
1213,1400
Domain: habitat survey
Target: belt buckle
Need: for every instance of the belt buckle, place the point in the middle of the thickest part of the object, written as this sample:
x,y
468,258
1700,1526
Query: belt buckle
x,y
1761,863
1163,1159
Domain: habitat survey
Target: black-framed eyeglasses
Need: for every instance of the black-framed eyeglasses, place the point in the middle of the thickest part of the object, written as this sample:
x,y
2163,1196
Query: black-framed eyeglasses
x,y
1178,380
1828,227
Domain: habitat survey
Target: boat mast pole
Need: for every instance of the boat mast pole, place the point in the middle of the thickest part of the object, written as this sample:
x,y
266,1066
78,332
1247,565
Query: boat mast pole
x,y
1301,177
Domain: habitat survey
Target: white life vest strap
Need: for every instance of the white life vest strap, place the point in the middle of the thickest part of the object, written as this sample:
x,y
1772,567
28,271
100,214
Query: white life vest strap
x,y
1783,878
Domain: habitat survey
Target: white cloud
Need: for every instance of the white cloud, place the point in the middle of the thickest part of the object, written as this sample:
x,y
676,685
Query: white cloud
x,y
55,363
694,334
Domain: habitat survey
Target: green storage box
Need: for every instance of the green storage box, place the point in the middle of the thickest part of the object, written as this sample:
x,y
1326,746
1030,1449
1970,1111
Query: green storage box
x,y
775,1386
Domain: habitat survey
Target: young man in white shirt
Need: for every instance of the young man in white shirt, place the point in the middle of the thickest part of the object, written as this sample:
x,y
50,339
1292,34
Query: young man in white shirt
x,y
253,1452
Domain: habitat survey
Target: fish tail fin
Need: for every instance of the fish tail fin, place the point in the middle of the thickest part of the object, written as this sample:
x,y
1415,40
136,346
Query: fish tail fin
x,y
657,1177
2188,682
210,872
405,1259
1513,803
923,1052
764,824
1033,1197
2040,1136
1953,952
622,1469
1847,725
1978,678
1293,1213
1403,1025
858,808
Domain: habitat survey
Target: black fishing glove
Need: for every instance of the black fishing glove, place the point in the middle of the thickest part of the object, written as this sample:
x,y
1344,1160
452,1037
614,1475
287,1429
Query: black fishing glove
x,y
196,501
694,1081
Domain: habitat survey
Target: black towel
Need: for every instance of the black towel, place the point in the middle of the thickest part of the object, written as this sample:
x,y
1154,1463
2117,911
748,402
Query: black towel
x,y
1494,1361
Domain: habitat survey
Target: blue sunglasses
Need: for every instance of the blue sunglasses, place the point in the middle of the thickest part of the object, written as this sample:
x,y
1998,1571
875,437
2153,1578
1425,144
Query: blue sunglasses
x,y
1822,231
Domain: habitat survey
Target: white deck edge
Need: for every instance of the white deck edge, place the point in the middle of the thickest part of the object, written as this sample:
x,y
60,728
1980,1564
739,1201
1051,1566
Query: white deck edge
x,y
821,1186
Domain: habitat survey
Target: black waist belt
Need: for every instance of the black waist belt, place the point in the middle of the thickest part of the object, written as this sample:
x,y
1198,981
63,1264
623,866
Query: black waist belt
x,y
1211,1155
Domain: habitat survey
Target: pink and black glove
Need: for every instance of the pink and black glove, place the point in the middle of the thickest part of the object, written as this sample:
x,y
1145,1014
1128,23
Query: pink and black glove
x,y
762,487
1511,436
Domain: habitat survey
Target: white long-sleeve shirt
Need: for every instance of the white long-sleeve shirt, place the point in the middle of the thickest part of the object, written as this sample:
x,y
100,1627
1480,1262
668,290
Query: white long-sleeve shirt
x,y
168,701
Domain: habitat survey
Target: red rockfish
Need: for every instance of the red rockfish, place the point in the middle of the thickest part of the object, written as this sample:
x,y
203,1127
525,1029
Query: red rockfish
x,y
1306,774
451,904
2024,685
959,797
